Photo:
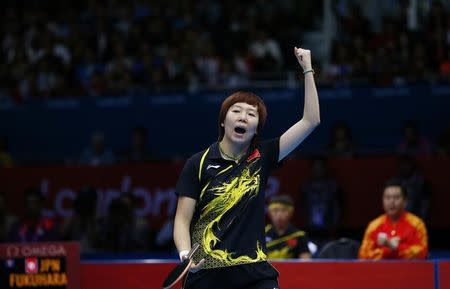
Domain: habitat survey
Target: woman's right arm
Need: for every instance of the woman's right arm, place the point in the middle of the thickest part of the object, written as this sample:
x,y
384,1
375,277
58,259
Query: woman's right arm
x,y
182,223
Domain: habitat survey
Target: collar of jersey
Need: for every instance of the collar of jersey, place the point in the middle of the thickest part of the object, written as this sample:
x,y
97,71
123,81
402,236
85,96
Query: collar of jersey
x,y
214,152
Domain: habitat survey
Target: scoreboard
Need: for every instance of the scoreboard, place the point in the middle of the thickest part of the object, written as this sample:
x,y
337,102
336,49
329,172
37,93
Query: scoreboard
x,y
40,265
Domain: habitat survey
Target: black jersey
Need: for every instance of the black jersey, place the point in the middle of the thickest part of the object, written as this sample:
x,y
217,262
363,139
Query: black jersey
x,y
288,245
228,222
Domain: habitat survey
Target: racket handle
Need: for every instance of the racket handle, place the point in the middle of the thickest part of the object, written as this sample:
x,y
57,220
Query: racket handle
x,y
194,248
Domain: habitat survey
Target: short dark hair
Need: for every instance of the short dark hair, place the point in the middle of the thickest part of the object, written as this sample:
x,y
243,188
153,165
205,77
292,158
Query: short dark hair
x,y
281,199
396,183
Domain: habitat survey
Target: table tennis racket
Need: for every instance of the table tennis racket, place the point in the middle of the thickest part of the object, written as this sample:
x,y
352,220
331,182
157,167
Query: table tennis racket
x,y
180,269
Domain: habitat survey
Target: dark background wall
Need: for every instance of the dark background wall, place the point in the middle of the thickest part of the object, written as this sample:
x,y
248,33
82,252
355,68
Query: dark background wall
x,y
181,124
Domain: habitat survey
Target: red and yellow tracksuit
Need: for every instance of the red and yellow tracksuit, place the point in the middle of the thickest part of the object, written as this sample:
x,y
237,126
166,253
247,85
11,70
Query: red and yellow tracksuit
x,y
409,228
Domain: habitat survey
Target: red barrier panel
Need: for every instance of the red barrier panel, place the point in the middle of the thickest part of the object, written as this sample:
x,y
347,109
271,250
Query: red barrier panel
x,y
124,275
311,275
357,275
444,275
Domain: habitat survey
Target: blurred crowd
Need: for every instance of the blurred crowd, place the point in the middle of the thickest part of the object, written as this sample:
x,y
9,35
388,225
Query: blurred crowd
x,y
95,48
119,230
398,53
412,142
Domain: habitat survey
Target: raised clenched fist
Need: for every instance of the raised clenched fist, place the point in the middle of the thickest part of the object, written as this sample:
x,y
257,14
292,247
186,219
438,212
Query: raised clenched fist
x,y
303,57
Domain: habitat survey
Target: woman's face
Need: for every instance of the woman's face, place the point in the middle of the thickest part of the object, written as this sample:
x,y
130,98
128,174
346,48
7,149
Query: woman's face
x,y
241,123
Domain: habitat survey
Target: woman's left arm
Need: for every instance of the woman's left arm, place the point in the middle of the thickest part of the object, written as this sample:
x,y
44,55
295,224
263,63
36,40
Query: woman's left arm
x,y
311,113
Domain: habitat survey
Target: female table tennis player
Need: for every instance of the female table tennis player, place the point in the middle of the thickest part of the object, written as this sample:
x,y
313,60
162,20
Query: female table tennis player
x,y
221,192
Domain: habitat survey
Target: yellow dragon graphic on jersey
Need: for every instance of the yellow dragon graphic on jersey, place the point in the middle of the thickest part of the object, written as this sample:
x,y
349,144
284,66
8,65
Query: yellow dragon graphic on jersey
x,y
228,195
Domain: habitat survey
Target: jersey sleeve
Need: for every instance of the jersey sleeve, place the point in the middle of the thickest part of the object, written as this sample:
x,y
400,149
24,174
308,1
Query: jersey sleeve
x,y
415,247
188,184
270,150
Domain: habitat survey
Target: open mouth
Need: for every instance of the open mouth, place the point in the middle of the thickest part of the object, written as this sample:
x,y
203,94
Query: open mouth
x,y
240,130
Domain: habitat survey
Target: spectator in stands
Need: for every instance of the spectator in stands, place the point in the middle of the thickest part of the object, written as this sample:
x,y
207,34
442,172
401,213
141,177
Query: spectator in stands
x,y
351,19
87,73
33,225
138,151
435,34
413,143
20,74
122,230
83,226
6,221
118,72
397,234
417,188
6,159
98,154
340,67
420,70
341,141
321,199
265,52
209,65
231,76
283,239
